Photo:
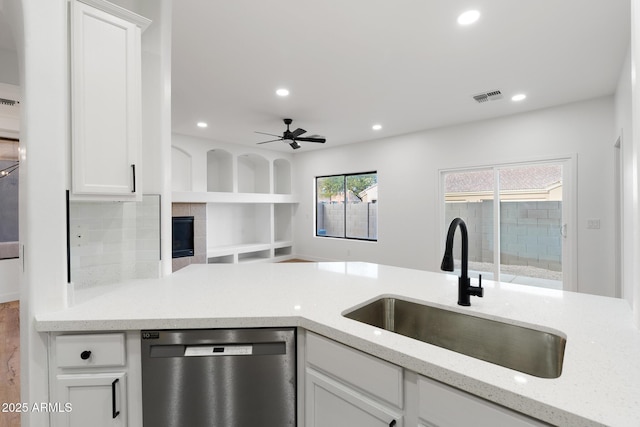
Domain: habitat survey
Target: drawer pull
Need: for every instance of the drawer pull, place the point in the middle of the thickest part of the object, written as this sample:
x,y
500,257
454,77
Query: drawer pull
x,y
114,412
85,355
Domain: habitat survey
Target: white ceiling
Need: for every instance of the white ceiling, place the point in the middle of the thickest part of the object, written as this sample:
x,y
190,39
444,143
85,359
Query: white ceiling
x,y
405,64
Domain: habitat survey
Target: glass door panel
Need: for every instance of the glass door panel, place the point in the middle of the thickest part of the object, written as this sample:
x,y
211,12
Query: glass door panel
x,y
470,195
531,224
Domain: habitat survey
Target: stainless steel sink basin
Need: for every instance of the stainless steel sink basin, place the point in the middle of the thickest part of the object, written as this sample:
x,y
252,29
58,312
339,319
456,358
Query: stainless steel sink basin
x,y
523,349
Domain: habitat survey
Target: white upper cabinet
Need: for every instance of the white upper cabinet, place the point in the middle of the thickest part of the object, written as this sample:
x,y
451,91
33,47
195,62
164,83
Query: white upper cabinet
x,y
105,101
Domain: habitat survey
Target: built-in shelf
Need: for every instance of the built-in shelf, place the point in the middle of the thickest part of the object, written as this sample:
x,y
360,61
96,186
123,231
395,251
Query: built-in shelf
x,y
253,174
219,171
248,198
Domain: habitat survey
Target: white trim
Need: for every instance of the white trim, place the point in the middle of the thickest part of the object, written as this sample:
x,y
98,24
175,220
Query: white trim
x,y
120,12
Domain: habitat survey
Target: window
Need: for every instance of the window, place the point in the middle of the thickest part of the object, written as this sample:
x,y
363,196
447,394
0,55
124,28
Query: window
x,y
347,206
8,198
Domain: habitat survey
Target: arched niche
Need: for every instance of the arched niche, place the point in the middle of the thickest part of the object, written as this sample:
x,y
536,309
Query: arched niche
x,y
253,174
219,171
180,170
281,176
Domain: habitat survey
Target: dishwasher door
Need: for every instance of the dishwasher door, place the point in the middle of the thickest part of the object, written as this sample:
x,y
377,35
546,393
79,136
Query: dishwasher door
x,y
219,377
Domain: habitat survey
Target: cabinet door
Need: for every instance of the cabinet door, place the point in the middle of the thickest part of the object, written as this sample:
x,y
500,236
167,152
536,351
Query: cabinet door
x,y
331,404
105,107
96,400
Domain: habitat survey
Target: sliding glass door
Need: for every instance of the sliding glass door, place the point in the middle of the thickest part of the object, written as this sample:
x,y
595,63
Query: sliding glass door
x,y
518,220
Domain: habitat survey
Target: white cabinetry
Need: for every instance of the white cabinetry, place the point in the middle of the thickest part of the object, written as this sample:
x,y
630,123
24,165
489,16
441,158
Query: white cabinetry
x,y
89,380
345,387
249,203
440,405
105,100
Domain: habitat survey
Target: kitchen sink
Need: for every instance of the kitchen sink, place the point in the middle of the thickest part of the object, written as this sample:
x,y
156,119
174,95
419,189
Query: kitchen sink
x,y
526,350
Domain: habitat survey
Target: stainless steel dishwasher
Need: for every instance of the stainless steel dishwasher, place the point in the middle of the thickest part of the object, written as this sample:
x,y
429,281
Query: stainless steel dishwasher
x,y
219,377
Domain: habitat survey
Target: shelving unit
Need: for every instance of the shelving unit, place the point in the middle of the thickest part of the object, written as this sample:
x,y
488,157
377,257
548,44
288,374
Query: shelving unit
x,y
249,205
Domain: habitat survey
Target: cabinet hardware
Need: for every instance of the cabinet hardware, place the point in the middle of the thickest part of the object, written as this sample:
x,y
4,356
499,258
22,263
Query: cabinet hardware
x,y
114,412
133,169
392,423
85,355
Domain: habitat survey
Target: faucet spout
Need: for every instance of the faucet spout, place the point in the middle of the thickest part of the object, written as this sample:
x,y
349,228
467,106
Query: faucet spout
x,y
465,290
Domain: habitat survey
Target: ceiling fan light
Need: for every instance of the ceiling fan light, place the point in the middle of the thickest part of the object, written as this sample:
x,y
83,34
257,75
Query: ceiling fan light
x,y
294,145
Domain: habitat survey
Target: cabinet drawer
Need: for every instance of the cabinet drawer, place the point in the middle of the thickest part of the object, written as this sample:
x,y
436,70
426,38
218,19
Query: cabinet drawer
x,y
370,374
79,351
440,404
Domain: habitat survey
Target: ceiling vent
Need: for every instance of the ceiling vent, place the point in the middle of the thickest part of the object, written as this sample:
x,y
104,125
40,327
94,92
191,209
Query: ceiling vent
x,y
493,95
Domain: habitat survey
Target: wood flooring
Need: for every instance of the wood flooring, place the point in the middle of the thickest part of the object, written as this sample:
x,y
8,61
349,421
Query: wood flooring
x,y
9,362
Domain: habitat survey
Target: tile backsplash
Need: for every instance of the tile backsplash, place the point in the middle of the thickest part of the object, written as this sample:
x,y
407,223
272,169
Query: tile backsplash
x,y
113,242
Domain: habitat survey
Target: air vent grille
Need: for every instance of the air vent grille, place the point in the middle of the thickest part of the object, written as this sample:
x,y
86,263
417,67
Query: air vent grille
x,y
492,95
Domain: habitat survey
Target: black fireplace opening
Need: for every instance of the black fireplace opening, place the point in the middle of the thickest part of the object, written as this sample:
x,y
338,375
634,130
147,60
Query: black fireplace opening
x,y
182,232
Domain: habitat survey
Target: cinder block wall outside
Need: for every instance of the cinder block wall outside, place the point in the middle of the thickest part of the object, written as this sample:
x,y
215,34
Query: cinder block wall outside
x,y
362,219
530,232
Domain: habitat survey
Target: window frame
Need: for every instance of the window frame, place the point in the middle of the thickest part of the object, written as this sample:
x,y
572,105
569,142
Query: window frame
x,y
344,202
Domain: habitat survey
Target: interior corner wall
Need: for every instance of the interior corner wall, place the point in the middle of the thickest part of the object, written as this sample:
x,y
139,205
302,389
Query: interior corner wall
x,y
409,233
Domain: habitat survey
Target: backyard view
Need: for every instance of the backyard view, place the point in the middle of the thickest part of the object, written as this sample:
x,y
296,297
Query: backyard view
x,y
530,221
347,206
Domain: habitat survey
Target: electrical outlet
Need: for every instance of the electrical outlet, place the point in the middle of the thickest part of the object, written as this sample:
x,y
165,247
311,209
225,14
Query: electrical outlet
x,y
593,224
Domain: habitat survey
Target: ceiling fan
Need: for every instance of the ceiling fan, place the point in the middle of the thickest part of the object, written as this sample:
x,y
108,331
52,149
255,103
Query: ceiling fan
x,y
293,136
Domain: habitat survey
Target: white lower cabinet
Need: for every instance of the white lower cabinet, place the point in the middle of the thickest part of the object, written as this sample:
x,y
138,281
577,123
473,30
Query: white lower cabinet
x,y
97,400
95,380
332,404
440,405
346,387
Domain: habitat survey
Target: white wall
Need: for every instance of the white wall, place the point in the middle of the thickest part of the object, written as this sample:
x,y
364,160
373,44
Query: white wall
x,y
9,66
408,176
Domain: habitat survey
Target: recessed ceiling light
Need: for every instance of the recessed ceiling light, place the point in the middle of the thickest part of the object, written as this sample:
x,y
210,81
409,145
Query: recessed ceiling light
x,y
282,92
376,127
202,125
468,17
518,97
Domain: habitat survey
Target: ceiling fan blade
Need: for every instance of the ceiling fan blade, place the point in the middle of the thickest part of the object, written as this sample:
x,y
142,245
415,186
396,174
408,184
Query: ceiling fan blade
x,y
270,134
273,140
309,139
296,133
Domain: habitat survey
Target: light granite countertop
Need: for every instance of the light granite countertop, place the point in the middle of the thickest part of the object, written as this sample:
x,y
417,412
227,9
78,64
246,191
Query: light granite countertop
x,y
600,381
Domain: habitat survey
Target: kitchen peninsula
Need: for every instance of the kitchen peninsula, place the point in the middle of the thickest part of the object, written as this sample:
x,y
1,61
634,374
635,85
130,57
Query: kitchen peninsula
x,y
600,375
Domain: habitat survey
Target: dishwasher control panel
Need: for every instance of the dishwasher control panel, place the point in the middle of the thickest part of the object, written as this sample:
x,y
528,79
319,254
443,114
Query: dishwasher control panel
x,y
218,350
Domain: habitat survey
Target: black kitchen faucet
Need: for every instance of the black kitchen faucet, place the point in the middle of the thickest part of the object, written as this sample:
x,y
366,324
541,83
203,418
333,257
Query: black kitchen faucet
x,y
465,290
